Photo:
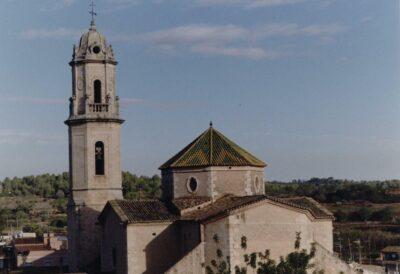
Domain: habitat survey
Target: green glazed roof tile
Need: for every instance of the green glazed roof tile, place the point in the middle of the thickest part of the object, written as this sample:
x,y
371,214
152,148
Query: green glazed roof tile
x,y
212,148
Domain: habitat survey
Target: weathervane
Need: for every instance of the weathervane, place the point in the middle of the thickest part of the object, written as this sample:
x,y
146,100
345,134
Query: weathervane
x,y
92,12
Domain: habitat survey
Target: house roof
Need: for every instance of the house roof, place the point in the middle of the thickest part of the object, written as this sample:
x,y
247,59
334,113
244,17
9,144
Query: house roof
x,y
202,209
140,211
391,249
316,209
212,148
184,203
31,247
226,204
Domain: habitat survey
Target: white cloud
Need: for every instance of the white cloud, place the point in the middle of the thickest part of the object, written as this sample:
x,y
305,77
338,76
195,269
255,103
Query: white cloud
x,y
247,52
14,136
231,40
52,5
196,34
292,29
34,100
58,33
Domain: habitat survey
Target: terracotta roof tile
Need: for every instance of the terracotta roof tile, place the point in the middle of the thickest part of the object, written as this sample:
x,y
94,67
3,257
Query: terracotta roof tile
x,y
31,247
184,203
142,211
212,148
228,203
391,249
202,209
306,202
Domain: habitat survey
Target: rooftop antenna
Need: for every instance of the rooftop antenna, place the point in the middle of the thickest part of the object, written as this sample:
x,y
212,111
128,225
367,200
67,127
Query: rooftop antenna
x,y
92,13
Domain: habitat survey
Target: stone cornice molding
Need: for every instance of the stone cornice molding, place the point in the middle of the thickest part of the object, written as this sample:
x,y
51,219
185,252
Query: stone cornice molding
x,y
85,120
88,61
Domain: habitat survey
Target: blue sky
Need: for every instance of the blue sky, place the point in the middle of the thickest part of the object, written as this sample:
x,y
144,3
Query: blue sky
x,y
309,86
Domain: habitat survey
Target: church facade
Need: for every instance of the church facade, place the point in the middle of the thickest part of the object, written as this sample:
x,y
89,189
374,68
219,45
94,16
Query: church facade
x,y
213,193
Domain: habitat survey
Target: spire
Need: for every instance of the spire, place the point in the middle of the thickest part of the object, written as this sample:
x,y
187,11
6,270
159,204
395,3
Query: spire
x,y
93,14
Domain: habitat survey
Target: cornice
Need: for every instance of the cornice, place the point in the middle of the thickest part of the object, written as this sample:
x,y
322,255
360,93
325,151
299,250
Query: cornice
x,y
85,120
87,61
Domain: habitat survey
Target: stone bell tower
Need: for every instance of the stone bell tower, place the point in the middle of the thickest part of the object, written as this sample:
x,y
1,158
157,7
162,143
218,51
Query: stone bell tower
x,y
94,146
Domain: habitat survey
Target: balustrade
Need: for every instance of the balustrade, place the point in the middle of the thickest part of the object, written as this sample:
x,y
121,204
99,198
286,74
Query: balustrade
x,y
98,107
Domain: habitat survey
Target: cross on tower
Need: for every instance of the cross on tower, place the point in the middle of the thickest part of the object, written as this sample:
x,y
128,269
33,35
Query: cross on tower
x,y
92,12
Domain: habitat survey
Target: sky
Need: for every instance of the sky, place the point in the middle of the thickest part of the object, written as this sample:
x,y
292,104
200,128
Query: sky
x,y
309,86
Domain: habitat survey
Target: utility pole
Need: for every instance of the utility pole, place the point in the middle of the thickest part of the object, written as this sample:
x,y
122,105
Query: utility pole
x,y
369,251
359,251
351,254
340,247
338,244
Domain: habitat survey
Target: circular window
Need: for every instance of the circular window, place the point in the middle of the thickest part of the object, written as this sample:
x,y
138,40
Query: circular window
x,y
192,185
96,49
257,185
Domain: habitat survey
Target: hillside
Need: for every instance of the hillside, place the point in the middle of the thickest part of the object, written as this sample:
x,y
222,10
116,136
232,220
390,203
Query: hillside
x,y
367,213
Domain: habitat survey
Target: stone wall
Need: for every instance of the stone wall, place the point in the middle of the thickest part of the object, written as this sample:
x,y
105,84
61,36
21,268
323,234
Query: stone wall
x,y
104,187
265,226
113,245
192,263
214,181
152,248
330,263
216,237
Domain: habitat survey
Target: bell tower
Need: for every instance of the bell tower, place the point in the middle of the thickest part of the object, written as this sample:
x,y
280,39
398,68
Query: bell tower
x,y
94,145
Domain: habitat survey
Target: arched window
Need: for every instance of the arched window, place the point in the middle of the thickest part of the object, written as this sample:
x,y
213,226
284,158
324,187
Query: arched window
x,y
97,92
99,158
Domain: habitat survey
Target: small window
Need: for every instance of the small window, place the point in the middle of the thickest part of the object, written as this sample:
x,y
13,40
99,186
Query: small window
x,y
99,158
192,185
97,92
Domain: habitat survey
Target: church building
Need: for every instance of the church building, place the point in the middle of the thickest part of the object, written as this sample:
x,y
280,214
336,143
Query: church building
x,y
213,192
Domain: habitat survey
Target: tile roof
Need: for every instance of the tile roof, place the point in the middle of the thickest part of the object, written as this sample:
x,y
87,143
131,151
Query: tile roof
x,y
309,203
184,203
21,241
212,148
228,203
141,211
31,247
202,209
391,249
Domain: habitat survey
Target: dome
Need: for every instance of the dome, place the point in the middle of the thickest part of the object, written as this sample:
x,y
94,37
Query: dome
x,y
93,46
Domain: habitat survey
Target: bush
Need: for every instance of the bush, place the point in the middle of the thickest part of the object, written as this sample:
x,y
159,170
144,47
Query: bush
x,y
385,215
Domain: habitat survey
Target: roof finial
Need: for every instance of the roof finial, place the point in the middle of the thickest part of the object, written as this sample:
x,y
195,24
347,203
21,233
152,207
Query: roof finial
x,y
211,124
93,14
